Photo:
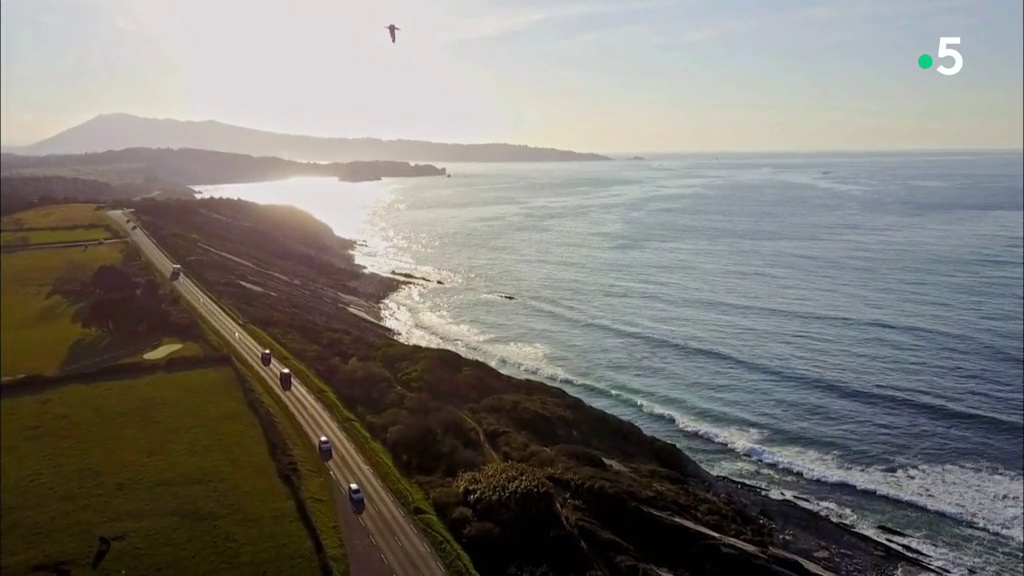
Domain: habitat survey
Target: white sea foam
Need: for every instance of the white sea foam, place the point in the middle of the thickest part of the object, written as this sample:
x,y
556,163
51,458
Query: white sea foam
x,y
988,498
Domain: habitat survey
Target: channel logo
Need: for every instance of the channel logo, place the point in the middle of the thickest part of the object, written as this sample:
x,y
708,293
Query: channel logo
x,y
925,61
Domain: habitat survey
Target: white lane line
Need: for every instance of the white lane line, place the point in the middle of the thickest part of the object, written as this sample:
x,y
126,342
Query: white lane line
x,y
399,541
361,522
385,560
372,540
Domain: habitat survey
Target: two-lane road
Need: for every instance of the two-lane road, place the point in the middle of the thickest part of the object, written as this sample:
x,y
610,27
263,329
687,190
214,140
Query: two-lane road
x,y
383,540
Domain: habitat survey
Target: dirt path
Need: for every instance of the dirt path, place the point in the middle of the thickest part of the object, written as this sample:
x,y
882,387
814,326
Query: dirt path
x,y
483,439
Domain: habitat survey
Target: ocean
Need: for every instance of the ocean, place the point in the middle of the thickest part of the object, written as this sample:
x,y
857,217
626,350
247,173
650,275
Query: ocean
x,y
844,330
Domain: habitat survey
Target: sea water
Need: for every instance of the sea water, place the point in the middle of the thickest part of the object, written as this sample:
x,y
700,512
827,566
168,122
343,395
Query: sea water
x,y
843,330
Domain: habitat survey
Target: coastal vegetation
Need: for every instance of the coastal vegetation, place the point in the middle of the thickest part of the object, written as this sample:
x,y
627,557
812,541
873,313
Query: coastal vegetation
x,y
102,436
524,477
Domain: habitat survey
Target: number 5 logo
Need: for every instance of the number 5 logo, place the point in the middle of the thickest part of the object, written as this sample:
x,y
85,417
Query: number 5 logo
x,y
946,51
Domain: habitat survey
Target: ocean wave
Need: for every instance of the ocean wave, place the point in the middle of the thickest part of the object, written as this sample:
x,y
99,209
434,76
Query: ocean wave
x,y
932,407
985,497
955,342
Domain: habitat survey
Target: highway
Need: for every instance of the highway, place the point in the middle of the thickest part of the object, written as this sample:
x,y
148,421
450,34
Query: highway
x,y
383,539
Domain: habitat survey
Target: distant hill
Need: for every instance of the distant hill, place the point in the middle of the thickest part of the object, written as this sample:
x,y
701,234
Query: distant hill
x,y
119,131
190,167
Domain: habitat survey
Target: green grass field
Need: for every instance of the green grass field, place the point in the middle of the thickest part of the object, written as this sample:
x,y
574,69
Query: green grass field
x,y
183,486
38,331
57,216
28,237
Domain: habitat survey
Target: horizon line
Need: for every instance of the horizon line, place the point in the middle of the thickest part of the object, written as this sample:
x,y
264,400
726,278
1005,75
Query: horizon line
x,y
812,151
605,152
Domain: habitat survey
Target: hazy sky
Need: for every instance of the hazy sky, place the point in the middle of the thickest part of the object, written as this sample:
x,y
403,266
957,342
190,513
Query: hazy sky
x,y
599,75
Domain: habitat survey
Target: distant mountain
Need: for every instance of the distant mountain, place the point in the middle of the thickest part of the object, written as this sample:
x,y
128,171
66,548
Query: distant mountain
x,y
119,131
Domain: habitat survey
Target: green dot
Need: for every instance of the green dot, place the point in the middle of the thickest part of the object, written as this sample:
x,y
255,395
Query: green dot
x,y
925,61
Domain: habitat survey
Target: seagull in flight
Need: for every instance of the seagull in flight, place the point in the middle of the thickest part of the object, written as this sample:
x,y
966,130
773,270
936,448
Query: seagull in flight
x,y
392,29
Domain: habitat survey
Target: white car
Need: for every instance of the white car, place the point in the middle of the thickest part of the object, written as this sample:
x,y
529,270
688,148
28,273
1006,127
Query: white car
x,y
356,498
325,448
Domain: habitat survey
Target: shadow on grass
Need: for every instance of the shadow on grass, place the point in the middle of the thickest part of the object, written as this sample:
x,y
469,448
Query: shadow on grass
x,y
107,373
54,308
56,567
126,310
62,567
90,353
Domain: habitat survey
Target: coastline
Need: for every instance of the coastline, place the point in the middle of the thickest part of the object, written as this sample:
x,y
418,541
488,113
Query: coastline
x,y
841,536
310,270
820,497
844,538
963,513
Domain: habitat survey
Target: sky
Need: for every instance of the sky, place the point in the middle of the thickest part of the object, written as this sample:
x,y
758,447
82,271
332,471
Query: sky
x,y
593,75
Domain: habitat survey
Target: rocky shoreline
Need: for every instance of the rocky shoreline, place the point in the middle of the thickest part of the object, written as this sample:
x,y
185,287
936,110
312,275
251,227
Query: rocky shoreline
x,y
813,542
521,465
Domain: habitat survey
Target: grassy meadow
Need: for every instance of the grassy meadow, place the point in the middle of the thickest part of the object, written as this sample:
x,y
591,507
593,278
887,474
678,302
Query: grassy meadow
x,y
39,328
181,486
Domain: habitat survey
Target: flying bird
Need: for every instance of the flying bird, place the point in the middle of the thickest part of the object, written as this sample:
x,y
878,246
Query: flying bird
x,y
392,29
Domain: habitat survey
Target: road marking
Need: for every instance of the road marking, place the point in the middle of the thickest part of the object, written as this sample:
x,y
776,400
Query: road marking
x,y
372,540
361,522
399,541
439,565
385,560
